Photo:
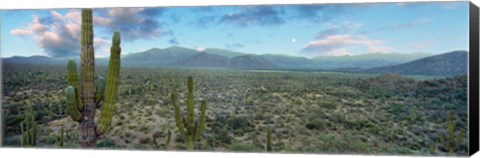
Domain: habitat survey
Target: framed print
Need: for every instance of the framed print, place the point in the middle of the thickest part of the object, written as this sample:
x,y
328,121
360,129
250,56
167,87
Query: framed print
x,y
386,78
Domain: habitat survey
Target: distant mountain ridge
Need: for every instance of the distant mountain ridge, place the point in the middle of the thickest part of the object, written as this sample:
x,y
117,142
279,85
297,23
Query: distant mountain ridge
x,y
223,52
204,60
238,62
418,63
158,57
447,64
364,61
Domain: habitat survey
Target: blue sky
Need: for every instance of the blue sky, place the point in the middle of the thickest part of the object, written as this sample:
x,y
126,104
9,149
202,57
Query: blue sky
x,y
298,30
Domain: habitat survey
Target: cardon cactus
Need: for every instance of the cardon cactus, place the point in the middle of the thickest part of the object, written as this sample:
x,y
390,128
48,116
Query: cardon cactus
x,y
29,129
85,95
62,136
451,144
269,139
189,129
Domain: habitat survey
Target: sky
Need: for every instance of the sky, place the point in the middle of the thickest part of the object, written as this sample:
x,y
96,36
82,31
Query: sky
x,y
296,30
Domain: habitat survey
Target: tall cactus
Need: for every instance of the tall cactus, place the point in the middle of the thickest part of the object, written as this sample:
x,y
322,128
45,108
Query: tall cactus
x,y
269,139
85,95
451,144
29,129
189,129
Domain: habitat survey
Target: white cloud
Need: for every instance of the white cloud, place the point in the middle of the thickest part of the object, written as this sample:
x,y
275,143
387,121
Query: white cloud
x,y
338,44
199,49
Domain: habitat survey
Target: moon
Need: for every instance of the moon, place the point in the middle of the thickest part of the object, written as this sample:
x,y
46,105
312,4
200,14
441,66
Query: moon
x,y
294,40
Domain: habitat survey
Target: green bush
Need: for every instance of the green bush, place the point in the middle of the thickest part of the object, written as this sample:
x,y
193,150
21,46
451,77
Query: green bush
x,y
317,124
107,144
327,105
239,125
240,147
222,136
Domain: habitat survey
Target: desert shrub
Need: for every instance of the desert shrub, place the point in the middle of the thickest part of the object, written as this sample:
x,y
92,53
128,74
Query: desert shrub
x,y
13,120
222,136
358,124
327,105
327,143
145,140
131,126
144,128
107,144
119,123
220,120
317,124
240,147
50,138
299,101
239,124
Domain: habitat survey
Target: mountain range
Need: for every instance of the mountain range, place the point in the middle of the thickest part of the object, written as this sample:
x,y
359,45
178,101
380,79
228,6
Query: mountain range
x,y
447,64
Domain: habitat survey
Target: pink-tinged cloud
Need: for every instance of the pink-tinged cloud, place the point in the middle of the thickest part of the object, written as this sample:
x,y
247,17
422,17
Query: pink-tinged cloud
x,y
101,21
58,35
21,32
339,44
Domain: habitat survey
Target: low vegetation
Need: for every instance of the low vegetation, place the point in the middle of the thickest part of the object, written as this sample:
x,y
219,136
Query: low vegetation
x,y
308,112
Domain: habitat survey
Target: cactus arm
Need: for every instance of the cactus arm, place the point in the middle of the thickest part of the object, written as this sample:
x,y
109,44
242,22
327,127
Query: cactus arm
x,y
202,125
72,78
459,139
184,124
99,90
111,88
72,104
29,124
190,107
178,117
451,133
22,139
34,129
190,84
190,114
444,143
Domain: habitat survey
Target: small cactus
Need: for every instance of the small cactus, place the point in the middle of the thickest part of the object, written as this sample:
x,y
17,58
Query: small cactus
x,y
155,142
269,139
432,147
62,136
190,129
29,129
452,143
50,111
169,135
